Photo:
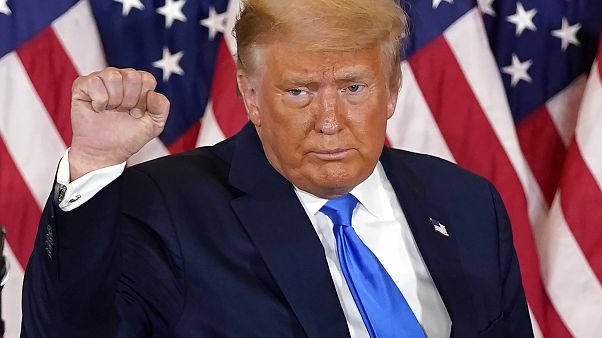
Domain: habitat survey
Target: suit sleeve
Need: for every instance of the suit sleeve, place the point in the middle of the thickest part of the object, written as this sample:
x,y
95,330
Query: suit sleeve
x,y
516,320
71,274
97,271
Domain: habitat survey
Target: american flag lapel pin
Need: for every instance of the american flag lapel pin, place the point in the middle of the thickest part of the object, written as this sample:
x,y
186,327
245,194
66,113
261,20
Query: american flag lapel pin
x,y
440,228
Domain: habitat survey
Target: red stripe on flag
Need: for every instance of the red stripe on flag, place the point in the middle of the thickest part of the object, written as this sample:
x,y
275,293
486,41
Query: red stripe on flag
x,y
543,149
228,108
581,201
20,212
51,78
456,110
186,141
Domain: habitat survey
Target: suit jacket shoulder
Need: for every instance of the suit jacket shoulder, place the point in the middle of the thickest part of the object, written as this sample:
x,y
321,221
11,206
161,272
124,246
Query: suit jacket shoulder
x,y
440,175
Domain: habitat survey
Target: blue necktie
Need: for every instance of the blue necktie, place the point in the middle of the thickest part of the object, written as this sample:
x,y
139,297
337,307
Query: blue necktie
x,y
384,310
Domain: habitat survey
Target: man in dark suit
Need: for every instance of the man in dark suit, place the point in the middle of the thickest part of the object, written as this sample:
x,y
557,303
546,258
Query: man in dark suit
x,y
301,225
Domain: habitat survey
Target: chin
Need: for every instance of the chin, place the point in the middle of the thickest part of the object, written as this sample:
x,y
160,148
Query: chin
x,y
337,183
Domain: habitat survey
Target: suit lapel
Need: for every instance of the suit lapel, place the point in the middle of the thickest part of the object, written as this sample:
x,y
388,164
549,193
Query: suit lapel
x,y
439,252
280,229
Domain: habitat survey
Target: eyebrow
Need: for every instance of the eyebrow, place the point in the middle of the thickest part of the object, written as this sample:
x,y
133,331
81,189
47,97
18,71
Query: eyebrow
x,y
299,80
344,75
354,74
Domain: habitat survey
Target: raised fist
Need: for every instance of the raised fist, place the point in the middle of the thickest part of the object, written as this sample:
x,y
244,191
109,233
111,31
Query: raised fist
x,y
114,113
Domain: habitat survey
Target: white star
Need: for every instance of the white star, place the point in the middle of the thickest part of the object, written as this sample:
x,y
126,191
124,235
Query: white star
x,y
4,7
522,19
567,33
172,11
128,5
169,64
215,22
485,7
518,70
436,3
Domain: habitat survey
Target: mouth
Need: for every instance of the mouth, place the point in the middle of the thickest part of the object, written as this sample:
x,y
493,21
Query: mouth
x,y
331,154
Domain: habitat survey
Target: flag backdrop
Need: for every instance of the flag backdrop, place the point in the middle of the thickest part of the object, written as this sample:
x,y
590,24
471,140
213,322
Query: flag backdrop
x,y
508,89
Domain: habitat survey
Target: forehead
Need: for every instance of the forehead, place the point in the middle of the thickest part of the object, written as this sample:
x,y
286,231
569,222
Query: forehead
x,y
292,60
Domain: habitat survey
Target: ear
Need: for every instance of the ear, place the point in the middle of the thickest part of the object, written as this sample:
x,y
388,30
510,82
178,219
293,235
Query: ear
x,y
248,90
394,86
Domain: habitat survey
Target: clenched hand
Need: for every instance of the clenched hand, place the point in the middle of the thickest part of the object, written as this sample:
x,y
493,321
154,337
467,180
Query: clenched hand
x,y
114,113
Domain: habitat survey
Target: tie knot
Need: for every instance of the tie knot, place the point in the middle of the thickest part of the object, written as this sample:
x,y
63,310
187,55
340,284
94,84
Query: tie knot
x,y
339,210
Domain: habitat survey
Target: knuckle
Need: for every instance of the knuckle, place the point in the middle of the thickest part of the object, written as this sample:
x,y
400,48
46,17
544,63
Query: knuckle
x,y
112,76
148,79
128,72
132,78
98,89
130,100
77,83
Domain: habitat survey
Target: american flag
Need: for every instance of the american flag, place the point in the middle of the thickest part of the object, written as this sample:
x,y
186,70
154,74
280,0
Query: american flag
x,y
508,89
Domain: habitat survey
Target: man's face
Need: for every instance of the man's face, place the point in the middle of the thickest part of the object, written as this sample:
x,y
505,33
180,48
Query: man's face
x,y
321,116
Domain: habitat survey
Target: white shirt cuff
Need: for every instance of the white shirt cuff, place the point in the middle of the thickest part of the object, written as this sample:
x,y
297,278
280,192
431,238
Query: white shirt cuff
x,y
73,194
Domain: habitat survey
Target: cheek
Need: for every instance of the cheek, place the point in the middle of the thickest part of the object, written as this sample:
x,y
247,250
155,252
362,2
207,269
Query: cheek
x,y
368,122
294,124
286,111
287,134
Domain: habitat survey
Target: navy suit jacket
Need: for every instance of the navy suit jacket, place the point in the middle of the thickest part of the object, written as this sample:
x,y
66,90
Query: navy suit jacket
x,y
215,243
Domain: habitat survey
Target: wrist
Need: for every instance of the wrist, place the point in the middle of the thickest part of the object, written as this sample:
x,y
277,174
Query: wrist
x,y
83,161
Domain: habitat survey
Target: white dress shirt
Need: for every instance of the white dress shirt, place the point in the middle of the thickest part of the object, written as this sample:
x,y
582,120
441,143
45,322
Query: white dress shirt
x,y
84,188
381,224
377,219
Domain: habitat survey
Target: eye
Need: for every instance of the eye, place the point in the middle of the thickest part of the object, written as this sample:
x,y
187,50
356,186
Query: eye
x,y
297,97
355,88
296,92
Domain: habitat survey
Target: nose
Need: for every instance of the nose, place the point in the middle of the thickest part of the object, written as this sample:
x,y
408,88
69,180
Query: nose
x,y
328,119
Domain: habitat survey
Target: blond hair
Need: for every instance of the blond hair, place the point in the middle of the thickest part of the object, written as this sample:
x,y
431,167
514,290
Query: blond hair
x,y
321,26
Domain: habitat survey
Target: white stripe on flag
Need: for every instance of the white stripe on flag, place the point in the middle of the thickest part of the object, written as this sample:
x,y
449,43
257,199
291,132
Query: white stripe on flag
x,y
589,127
210,132
413,126
571,283
233,10
77,32
536,330
11,296
564,109
30,135
153,149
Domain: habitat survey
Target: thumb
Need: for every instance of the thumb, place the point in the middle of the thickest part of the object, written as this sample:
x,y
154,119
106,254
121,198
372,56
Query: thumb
x,y
157,106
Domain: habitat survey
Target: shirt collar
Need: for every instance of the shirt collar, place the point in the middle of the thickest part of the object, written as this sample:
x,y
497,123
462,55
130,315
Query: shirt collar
x,y
369,193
